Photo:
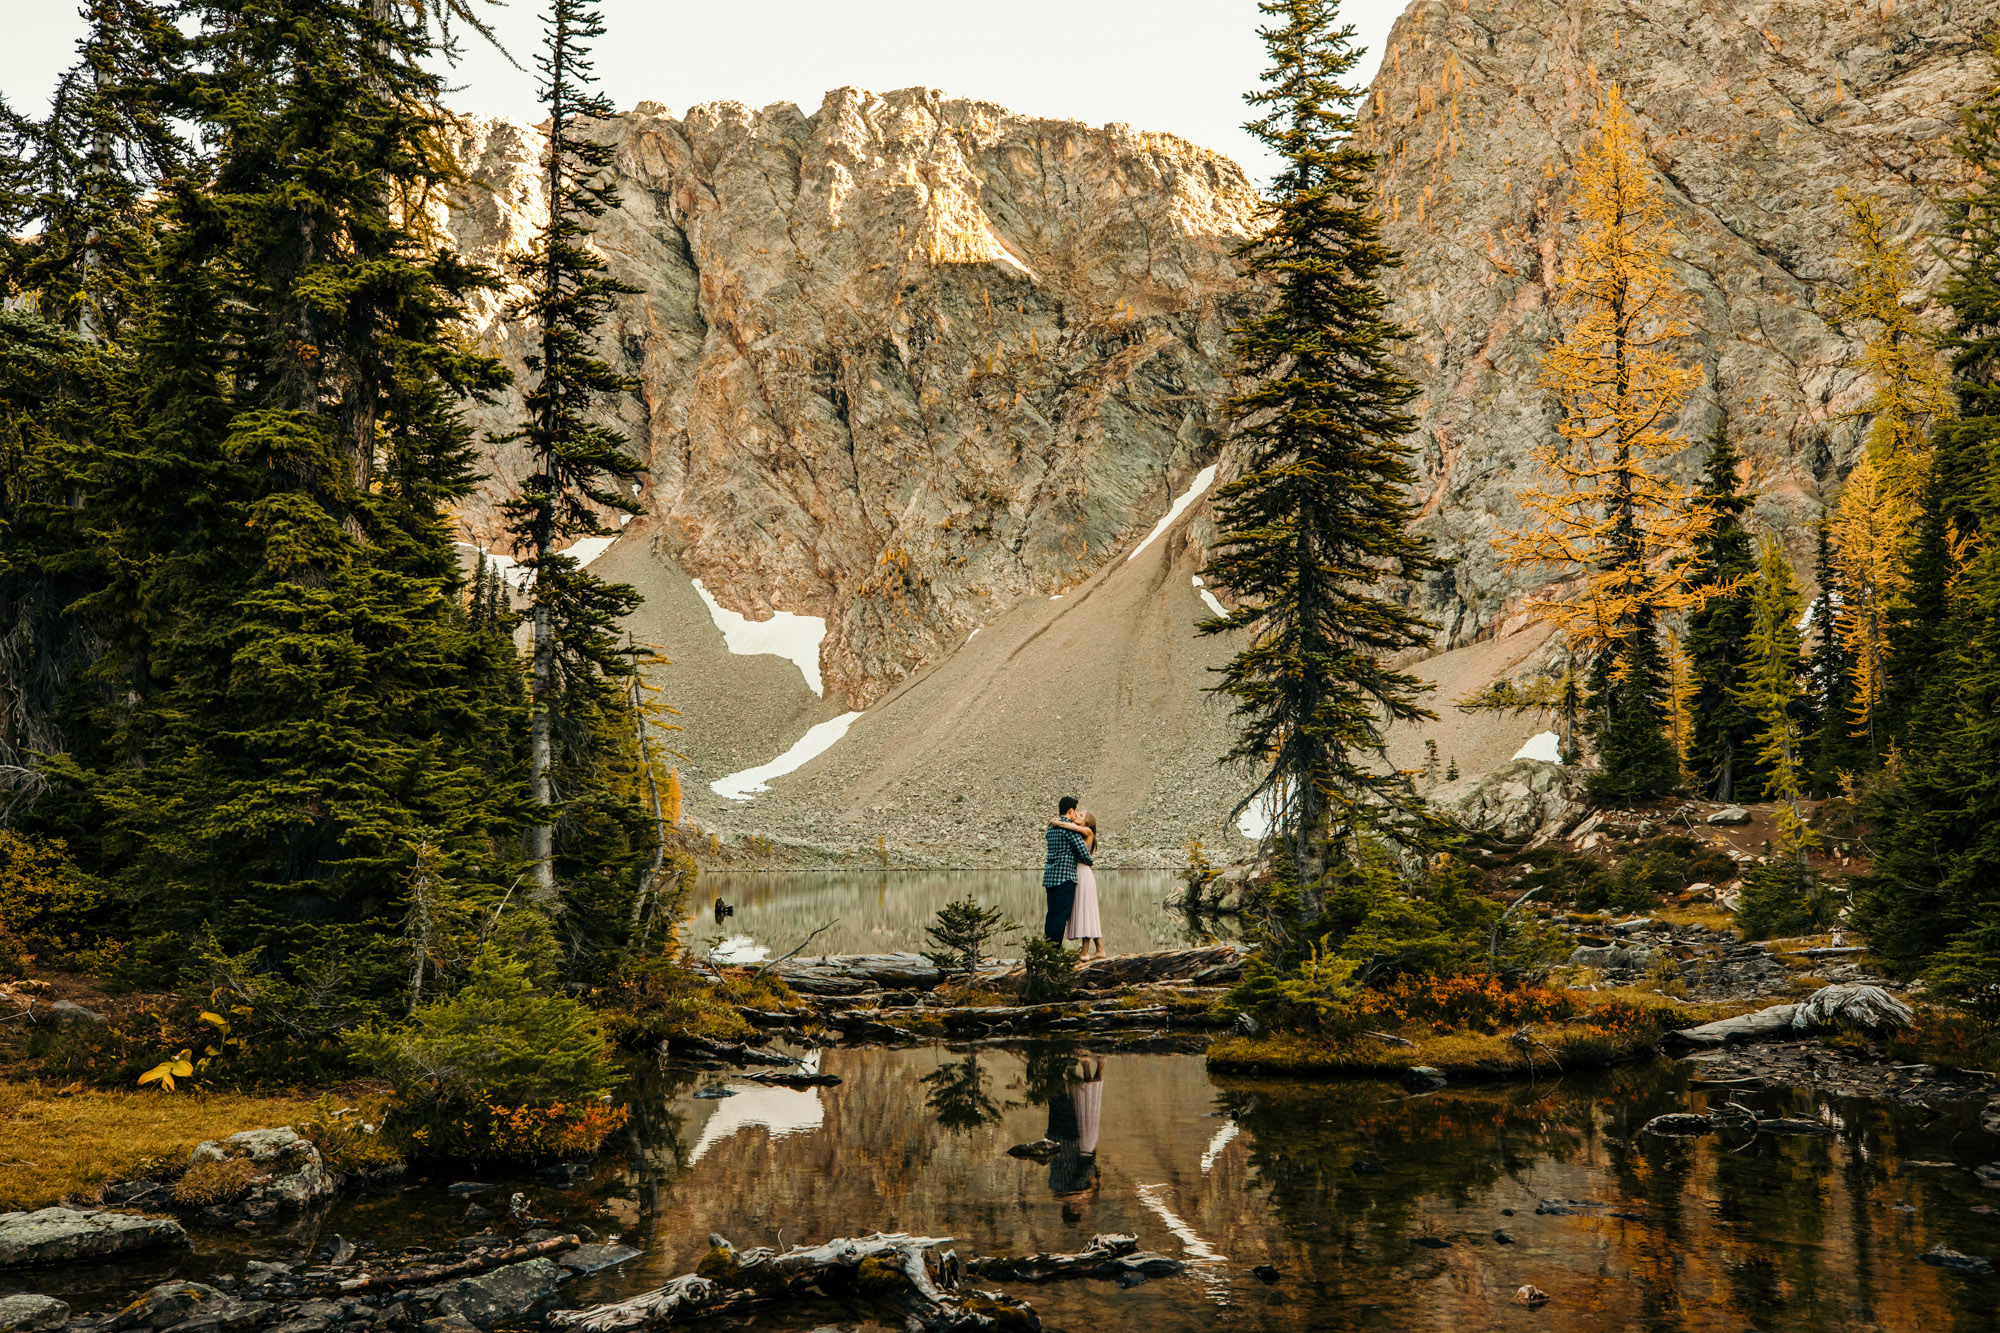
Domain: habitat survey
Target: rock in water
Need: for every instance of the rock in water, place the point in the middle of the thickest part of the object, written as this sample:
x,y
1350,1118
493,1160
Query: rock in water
x,y
287,1176
32,1314
1530,1295
1423,1078
505,1294
54,1235
1972,1265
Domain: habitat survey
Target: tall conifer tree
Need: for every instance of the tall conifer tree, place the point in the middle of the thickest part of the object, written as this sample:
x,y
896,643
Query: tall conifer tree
x,y
580,466
1720,755
1935,891
308,694
1607,512
1319,519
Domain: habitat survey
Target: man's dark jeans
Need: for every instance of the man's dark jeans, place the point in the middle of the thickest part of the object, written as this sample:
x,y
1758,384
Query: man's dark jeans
x,y
1062,897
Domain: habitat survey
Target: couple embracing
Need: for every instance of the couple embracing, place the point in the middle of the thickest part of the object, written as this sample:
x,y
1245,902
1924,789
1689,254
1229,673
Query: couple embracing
x,y
1069,880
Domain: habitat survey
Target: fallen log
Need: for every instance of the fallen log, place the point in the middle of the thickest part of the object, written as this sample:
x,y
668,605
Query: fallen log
x,y
479,1263
1111,1256
728,1050
891,1271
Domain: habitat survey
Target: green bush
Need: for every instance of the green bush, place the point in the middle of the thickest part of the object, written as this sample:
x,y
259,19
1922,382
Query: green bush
x,y
498,1052
1049,973
1783,897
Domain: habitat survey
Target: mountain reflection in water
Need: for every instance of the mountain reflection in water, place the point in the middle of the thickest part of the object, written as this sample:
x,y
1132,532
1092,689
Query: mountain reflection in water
x,y
1380,1210
888,910
1383,1212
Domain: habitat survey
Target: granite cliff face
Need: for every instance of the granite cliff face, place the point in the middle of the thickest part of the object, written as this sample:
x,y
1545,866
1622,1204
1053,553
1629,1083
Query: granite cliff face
x,y
925,368
904,361
1757,113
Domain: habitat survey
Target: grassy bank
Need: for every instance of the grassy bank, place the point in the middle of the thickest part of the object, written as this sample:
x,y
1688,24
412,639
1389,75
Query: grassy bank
x,y
56,1147
1620,1026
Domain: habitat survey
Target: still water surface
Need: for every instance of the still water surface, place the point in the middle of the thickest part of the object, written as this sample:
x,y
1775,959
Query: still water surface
x,y
881,913
1380,1210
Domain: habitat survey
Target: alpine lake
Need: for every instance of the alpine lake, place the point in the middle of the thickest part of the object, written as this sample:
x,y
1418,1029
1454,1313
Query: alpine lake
x,y
1378,1210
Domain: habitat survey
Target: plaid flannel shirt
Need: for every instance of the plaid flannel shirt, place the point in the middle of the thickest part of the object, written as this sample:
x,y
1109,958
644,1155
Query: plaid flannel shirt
x,y
1066,850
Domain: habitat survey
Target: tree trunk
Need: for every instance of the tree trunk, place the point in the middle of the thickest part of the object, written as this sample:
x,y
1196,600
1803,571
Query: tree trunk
x,y
541,745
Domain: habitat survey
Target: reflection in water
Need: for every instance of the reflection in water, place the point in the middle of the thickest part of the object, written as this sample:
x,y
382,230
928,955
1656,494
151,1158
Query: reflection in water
x,y
1382,1212
888,911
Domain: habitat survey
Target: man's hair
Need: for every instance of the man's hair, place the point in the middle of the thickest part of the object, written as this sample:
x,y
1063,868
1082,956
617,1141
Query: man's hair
x,y
1065,805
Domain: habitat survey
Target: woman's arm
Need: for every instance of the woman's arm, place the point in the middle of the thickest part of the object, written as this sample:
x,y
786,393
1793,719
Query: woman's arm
x,y
1060,822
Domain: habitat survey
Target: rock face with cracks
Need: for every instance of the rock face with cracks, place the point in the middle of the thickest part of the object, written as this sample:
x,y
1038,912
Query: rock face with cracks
x,y
56,1235
1756,115
904,361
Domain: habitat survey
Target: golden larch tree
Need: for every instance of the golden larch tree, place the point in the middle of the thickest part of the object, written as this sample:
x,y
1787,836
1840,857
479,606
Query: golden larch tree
x,y
1871,527
1603,509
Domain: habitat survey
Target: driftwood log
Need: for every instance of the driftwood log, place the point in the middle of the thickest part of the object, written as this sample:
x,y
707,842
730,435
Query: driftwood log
x,y
731,1051
480,1263
1110,1256
895,1272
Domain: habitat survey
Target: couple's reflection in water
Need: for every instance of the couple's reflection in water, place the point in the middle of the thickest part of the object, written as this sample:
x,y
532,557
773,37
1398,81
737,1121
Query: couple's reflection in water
x,y
1075,1116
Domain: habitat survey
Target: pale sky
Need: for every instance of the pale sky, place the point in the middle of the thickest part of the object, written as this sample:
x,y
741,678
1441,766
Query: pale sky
x,y
1181,66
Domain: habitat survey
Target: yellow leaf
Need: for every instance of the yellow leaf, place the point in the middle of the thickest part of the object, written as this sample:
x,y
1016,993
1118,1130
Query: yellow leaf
x,y
217,1019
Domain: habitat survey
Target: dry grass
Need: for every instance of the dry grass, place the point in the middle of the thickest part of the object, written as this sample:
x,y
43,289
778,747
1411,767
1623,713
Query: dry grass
x,y
54,1148
1707,915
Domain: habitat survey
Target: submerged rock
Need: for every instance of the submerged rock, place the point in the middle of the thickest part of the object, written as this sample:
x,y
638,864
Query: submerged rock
x,y
1972,1265
487,1300
32,1314
596,1258
1423,1078
1678,1124
56,1235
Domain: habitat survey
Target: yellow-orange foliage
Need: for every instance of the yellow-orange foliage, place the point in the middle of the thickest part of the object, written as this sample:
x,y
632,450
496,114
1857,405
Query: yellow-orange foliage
x,y
1871,524
1602,507
1910,386
1680,699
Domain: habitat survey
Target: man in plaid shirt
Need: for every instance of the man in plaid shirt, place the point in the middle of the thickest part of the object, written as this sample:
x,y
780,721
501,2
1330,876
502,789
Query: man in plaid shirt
x,y
1066,850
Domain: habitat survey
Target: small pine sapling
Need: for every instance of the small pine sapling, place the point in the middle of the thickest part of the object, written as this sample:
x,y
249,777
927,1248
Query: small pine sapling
x,y
963,932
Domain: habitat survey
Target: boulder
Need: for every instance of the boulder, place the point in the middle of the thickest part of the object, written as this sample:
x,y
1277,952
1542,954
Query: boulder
x,y
32,1314
68,1011
287,1177
1729,816
166,1305
1972,1265
1622,956
1518,801
1423,1078
595,1258
1852,1005
486,1300
1989,1119
56,1235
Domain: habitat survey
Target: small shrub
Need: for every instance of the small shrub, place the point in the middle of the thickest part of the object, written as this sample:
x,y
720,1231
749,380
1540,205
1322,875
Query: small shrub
x,y
1783,897
1049,973
963,934
212,1181
50,911
347,1143
500,1071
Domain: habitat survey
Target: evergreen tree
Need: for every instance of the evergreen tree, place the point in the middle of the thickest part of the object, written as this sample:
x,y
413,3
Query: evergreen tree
x,y
1720,753
1607,512
1935,889
1832,746
580,465
1319,519
307,700
1768,690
